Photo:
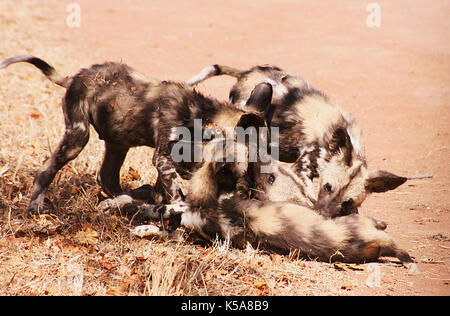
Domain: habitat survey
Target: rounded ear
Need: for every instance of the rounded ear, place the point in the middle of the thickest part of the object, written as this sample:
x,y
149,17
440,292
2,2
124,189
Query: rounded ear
x,y
261,100
382,181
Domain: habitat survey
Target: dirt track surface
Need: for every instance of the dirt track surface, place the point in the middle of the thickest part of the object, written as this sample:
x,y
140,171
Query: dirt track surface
x,y
394,79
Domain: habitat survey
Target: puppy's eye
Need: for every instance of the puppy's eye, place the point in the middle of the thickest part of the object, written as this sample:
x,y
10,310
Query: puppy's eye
x,y
328,188
271,179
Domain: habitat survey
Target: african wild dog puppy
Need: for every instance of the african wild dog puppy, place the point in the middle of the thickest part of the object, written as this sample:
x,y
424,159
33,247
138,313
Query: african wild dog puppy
x,y
268,225
127,109
321,139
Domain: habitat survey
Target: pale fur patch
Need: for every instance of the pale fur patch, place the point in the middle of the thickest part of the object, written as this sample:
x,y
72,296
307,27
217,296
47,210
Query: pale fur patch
x,y
202,186
279,90
288,187
317,115
115,203
355,134
193,220
147,231
302,218
368,232
271,218
264,220
80,126
335,233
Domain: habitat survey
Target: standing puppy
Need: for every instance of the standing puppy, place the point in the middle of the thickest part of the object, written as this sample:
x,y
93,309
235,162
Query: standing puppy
x,y
317,136
127,110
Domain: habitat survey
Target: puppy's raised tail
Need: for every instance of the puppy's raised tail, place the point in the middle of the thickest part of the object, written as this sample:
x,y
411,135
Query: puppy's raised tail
x,y
212,71
46,69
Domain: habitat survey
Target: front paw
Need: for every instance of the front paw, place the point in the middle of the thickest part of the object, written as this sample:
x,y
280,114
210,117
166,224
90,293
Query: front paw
x,y
115,203
154,231
36,206
35,210
148,231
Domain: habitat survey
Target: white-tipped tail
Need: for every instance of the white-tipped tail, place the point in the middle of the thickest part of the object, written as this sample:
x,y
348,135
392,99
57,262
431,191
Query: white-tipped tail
x,y
46,69
211,71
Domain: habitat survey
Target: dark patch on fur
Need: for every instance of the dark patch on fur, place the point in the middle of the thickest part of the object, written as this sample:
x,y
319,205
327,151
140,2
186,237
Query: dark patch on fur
x,y
266,68
341,142
293,96
234,95
42,65
217,70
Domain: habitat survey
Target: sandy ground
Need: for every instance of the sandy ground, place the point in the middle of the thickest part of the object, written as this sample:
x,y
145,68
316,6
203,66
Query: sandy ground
x,y
394,79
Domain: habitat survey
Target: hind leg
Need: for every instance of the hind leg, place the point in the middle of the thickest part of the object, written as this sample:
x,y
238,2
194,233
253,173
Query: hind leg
x,y
109,177
73,142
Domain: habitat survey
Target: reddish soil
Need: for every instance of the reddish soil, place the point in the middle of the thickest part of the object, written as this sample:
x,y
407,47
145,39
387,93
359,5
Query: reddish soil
x,y
394,79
